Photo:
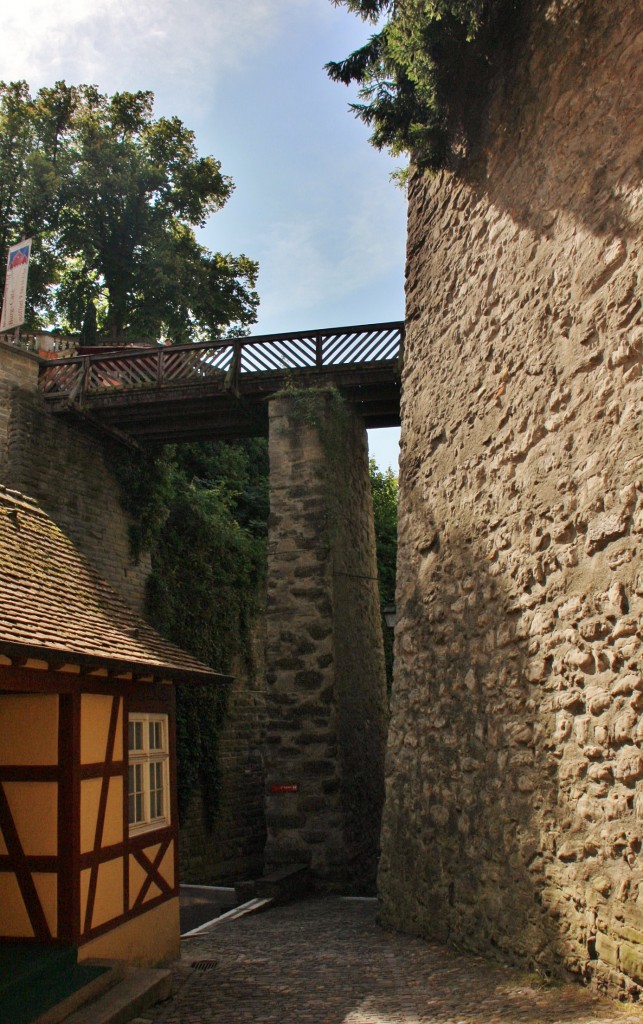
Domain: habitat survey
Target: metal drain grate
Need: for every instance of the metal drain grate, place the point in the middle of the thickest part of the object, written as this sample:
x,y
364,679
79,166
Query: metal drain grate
x,y
203,965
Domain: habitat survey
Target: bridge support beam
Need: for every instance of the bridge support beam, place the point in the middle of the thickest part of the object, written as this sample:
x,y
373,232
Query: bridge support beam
x,y
326,692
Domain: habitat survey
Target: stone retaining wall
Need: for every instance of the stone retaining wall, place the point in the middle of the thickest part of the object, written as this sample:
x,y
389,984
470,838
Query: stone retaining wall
x,y
18,367
62,465
232,849
514,807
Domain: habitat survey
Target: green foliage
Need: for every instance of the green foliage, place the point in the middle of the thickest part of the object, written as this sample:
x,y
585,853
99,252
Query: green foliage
x,y
32,134
112,197
384,487
421,70
384,490
202,512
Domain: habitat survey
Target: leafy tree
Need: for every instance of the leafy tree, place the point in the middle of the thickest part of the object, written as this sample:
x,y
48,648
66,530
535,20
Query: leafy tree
x,y
202,512
113,197
384,490
32,165
421,71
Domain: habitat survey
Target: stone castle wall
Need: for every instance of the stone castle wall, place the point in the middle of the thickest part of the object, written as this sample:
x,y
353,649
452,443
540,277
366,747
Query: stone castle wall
x,y
232,849
514,804
326,686
17,369
62,465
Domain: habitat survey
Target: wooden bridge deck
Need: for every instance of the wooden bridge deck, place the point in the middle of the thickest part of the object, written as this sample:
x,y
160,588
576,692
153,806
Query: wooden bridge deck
x,y
220,390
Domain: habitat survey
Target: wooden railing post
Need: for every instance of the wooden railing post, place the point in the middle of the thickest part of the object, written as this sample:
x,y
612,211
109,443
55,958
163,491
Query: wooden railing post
x,y
236,360
159,366
319,355
84,380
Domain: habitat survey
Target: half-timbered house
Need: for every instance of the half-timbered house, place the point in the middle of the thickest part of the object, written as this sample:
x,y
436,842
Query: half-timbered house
x,y
88,813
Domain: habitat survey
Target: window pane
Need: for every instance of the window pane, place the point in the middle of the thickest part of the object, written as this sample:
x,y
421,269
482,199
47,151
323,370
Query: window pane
x,y
156,736
131,794
135,793
156,789
135,735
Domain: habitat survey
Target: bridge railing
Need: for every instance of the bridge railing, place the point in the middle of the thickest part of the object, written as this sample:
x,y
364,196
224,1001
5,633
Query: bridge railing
x,y
227,360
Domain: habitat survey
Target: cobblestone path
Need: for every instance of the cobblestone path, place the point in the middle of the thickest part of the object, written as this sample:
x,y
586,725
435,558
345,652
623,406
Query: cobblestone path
x,y
326,961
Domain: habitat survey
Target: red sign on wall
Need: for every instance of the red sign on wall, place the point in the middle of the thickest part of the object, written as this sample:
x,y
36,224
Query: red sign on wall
x,y
284,787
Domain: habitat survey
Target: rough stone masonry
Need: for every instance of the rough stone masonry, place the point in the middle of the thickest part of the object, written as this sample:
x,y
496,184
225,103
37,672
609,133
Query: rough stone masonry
x,y
326,686
63,466
514,799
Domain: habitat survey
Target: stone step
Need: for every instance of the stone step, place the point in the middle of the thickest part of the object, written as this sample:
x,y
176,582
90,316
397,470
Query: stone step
x,y
111,975
41,984
138,990
288,883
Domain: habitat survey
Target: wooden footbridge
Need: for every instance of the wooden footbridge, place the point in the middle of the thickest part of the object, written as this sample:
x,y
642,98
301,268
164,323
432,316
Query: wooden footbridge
x,y
220,389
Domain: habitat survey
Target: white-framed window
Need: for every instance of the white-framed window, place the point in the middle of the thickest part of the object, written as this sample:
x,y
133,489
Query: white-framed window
x,y
148,771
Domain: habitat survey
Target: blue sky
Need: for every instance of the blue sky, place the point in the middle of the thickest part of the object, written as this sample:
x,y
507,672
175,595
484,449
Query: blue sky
x,y
313,202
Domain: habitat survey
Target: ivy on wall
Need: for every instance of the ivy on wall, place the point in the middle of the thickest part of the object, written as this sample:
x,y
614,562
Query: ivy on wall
x,y
384,488
201,510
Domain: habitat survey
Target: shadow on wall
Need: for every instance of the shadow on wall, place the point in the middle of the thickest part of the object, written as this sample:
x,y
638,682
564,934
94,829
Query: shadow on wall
x,y
582,63
515,774
473,871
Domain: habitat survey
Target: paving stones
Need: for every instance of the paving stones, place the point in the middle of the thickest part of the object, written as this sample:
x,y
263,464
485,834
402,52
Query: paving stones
x,y
327,961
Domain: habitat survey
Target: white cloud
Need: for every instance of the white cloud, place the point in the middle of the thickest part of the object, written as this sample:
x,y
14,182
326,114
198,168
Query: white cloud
x,y
119,43
315,260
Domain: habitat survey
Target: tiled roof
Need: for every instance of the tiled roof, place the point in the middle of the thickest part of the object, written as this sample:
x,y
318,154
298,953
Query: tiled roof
x,y
54,605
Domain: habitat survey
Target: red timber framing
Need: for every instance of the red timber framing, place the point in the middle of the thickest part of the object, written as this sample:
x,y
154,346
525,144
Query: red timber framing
x,y
18,862
75,908
75,663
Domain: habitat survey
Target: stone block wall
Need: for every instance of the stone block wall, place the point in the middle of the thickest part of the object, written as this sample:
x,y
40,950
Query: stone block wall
x,y
18,367
62,465
232,849
514,799
326,687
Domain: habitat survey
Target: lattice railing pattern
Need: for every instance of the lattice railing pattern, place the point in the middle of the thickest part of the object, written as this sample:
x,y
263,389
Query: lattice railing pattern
x,y
76,377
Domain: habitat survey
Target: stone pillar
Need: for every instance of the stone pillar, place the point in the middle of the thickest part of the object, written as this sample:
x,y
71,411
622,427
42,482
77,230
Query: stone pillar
x,y
326,692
